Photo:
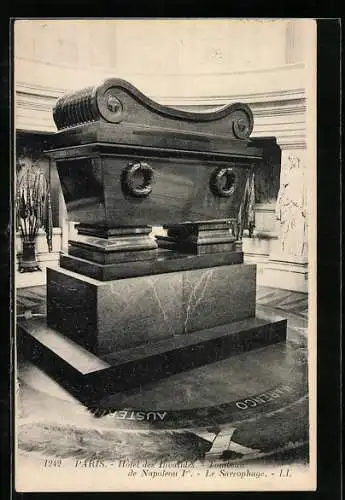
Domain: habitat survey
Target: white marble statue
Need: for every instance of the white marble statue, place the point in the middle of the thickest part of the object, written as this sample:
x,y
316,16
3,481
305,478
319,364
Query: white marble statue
x,y
291,209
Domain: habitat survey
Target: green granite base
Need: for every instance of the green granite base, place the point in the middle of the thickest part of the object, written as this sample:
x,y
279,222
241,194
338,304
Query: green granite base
x,y
106,317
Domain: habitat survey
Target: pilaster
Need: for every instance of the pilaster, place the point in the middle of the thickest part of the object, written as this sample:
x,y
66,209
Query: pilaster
x,y
287,265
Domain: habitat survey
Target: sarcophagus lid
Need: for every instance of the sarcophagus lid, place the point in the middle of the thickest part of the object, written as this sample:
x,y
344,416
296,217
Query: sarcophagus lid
x,y
125,160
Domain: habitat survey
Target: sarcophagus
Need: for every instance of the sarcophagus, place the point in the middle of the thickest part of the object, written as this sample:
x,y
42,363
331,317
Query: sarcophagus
x,y
151,306
127,160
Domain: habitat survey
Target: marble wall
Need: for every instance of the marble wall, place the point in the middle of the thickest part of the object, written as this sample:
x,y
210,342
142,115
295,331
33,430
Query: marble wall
x,y
199,62
129,47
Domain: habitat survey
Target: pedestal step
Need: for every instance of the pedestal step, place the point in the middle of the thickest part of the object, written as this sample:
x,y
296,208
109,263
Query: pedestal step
x,y
89,377
165,261
112,245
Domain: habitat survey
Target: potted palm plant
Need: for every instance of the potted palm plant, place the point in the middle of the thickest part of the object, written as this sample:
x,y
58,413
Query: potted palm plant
x,y
33,210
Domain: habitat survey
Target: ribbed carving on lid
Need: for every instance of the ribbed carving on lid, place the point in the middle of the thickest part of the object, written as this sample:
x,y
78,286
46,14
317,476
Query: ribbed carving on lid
x,y
105,102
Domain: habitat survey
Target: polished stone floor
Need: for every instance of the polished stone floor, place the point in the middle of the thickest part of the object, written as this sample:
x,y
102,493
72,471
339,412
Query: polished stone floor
x,y
190,410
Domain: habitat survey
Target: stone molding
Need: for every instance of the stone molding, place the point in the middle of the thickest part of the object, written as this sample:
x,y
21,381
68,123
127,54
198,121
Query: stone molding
x,y
283,118
202,100
279,91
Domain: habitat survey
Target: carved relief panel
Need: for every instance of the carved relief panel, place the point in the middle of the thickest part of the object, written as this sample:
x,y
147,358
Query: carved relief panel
x,y
291,209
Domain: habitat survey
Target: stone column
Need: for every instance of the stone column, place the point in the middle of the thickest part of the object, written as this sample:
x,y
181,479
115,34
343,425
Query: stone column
x,y
287,266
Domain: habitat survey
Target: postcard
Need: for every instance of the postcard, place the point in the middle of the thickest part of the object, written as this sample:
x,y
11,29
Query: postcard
x,y
165,254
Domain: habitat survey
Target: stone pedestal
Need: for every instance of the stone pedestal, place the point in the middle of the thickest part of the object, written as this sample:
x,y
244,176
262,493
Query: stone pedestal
x,y
90,377
112,335
106,317
105,245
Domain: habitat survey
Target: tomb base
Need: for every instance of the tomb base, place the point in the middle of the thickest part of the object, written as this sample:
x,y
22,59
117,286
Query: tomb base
x,y
108,316
90,377
114,324
109,336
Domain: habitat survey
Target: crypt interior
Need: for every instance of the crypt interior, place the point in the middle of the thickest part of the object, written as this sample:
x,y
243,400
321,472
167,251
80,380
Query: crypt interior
x,y
195,70
194,67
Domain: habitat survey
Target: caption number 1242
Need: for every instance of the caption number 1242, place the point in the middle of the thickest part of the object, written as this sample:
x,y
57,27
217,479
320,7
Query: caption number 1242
x,y
52,462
